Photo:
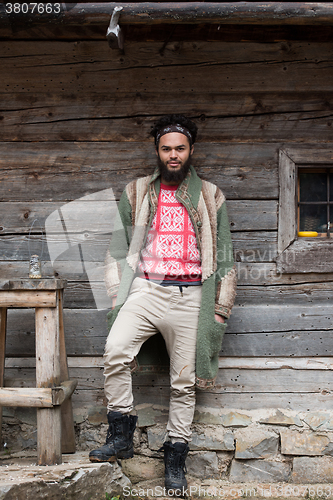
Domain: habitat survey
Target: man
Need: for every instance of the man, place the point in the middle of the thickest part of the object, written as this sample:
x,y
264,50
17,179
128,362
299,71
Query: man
x,y
170,270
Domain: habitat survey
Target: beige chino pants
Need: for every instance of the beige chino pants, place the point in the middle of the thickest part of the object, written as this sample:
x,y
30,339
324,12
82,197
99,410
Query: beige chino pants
x,y
148,309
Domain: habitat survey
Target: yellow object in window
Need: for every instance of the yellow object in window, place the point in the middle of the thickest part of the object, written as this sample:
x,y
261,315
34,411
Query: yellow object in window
x,y
307,234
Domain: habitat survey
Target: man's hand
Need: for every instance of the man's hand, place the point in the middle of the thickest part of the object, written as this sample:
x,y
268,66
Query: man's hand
x,y
113,302
219,319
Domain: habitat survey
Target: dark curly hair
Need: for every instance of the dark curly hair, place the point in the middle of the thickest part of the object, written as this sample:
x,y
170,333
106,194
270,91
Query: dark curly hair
x,y
166,120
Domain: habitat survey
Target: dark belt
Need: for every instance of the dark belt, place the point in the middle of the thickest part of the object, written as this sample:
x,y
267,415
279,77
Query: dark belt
x,y
180,284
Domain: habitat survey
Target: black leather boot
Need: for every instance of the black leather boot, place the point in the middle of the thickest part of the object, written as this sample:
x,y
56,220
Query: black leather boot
x,y
119,439
174,461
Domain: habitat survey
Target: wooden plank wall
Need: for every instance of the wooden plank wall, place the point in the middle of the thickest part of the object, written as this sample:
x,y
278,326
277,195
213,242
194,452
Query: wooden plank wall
x,y
74,121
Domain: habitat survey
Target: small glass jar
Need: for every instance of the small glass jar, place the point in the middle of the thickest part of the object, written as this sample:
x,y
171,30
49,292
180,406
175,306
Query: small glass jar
x,y
35,268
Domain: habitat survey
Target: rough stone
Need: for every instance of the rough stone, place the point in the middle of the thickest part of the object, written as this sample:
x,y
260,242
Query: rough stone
x,y
312,470
141,468
79,415
11,438
150,415
208,437
203,465
305,443
156,436
26,416
316,420
255,443
97,415
91,436
145,415
328,425
161,414
259,470
27,438
212,437
204,417
75,478
235,419
279,418
224,461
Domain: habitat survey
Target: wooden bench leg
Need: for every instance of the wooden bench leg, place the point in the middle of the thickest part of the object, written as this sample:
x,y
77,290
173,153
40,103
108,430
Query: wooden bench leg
x,y
67,421
3,323
48,375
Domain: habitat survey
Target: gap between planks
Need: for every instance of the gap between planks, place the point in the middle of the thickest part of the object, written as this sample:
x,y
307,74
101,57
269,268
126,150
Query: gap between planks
x,y
244,363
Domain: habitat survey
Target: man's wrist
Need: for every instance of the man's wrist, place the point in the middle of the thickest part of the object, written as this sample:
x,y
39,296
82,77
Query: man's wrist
x,y
219,318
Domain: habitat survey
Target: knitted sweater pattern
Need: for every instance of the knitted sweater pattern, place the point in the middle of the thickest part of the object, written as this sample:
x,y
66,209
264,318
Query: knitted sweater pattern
x,y
171,247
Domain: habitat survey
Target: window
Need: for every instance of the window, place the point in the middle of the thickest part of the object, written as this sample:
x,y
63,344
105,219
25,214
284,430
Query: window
x,y
315,201
305,204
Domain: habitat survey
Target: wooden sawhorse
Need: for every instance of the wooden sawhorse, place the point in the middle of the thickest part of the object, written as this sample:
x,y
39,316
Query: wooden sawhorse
x,y
52,396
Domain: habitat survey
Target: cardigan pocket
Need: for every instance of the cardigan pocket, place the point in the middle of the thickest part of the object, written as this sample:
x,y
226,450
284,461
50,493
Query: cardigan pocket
x,y
216,337
111,316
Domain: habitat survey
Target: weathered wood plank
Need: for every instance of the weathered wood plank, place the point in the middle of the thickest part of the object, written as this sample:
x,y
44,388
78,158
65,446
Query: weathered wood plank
x,y
256,400
36,55
31,285
293,343
84,400
139,13
243,378
242,171
306,254
249,273
93,246
255,330
141,108
287,209
48,375
180,33
80,295
286,343
255,246
234,67
62,394
31,397
3,329
299,294
18,216
252,246
252,215
277,318
96,364
256,117
21,298
248,76
67,387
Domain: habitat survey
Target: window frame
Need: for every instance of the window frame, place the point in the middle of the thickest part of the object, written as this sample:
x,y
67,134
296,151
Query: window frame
x,y
300,255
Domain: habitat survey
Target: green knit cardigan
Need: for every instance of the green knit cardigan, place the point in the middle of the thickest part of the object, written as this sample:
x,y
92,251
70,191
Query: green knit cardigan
x,y
206,206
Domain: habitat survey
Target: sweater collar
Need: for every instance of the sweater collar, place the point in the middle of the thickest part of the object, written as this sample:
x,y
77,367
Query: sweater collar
x,y
188,191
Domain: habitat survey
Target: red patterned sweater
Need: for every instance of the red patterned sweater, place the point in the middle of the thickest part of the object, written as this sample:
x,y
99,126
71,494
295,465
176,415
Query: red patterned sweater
x,y
171,250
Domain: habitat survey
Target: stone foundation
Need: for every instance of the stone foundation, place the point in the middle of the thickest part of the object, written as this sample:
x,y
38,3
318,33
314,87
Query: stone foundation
x,y
264,446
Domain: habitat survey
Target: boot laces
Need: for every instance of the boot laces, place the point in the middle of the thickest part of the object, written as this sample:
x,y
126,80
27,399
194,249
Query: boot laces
x,y
177,464
110,433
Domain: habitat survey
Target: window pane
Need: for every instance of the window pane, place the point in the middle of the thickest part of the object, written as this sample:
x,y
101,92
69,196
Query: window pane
x,y
313,218
313,187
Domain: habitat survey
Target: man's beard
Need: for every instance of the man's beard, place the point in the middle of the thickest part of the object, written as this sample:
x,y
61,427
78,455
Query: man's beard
x,y
174,176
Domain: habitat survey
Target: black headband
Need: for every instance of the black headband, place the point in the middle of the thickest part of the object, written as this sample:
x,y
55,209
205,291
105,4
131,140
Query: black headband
x,y
173,128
